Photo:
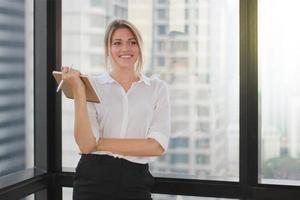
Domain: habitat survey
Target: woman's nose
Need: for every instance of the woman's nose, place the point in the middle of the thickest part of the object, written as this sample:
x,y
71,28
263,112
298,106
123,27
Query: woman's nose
x,y
126,46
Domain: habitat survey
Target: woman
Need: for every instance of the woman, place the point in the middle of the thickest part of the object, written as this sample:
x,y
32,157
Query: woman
x,y
120,136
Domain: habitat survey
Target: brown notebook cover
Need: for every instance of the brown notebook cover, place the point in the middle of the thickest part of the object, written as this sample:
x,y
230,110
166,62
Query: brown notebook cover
x,y
91,94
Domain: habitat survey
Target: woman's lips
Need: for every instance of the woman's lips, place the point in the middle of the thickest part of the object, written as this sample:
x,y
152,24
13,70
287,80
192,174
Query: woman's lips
x,y
125,56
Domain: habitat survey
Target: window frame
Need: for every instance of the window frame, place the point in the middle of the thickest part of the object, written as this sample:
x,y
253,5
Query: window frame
x,y
47,177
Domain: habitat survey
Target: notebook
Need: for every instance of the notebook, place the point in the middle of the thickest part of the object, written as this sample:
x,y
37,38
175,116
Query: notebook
x,y
91,94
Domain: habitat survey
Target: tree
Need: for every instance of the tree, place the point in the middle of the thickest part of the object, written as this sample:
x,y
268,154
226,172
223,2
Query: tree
x,y
281,168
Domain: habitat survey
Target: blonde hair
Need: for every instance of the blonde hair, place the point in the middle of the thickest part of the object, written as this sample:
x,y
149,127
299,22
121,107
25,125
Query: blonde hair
x,y
111,28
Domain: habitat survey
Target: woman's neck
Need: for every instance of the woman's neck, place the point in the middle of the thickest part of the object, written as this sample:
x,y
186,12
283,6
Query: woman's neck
x,y
124,76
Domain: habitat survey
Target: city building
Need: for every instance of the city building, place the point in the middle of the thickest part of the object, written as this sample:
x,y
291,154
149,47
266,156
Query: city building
x,y
12,87
188,53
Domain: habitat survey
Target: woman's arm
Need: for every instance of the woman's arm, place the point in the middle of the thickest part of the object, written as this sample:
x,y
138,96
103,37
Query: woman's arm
x,y
83,133
130,147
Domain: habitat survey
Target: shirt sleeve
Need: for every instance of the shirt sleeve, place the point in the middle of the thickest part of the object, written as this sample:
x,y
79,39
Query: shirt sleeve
x,y
160,126
93,118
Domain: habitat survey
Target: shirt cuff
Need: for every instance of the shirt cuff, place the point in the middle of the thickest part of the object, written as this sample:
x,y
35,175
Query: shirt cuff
x,y
161,138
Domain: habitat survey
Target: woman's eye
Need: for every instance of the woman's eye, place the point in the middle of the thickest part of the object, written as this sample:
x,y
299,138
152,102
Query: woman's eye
x,y
133,42
116,43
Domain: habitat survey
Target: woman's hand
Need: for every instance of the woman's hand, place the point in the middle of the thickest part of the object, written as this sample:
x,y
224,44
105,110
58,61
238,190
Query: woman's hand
x,y
71,77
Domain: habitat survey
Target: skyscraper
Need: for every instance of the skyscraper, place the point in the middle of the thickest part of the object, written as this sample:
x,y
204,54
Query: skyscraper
x,y
188,53
12,87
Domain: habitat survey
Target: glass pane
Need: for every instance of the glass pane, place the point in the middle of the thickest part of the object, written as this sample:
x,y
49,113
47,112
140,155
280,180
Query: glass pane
x,y
194,47
279,71
16,86
30,197
67,193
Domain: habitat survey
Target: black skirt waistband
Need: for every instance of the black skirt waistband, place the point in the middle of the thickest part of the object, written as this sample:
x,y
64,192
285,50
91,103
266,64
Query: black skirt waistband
x,y
103,158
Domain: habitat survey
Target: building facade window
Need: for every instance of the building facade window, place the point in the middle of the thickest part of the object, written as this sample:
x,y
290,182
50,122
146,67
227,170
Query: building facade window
x,y
202,159
203,143
179,158
162,13
162,29
161,61
179,143
97,3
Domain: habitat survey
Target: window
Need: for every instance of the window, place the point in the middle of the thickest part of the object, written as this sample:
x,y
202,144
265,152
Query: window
x,y
203,93
177,94
180,110
179,62
162,1
16,86
203,143
161,46
194,91
161,61
179,45
276,112
279,92
196,14
97,3
179,143
181,78
179,126
162,29
203,127
268,116
162,13
179,159
202,78
202,159
186,29
202,111
186,13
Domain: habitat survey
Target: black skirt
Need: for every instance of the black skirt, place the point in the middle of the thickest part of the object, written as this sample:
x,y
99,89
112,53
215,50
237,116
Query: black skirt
x,y
105,177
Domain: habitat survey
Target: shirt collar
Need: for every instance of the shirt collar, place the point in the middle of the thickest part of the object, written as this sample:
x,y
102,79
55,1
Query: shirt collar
x,y
106,78
145,79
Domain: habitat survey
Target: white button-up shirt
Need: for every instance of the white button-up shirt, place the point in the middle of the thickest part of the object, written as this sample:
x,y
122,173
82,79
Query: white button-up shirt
x,y
142,112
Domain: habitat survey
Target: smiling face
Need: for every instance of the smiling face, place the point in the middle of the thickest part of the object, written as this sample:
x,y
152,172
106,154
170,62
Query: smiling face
x,y
124,49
